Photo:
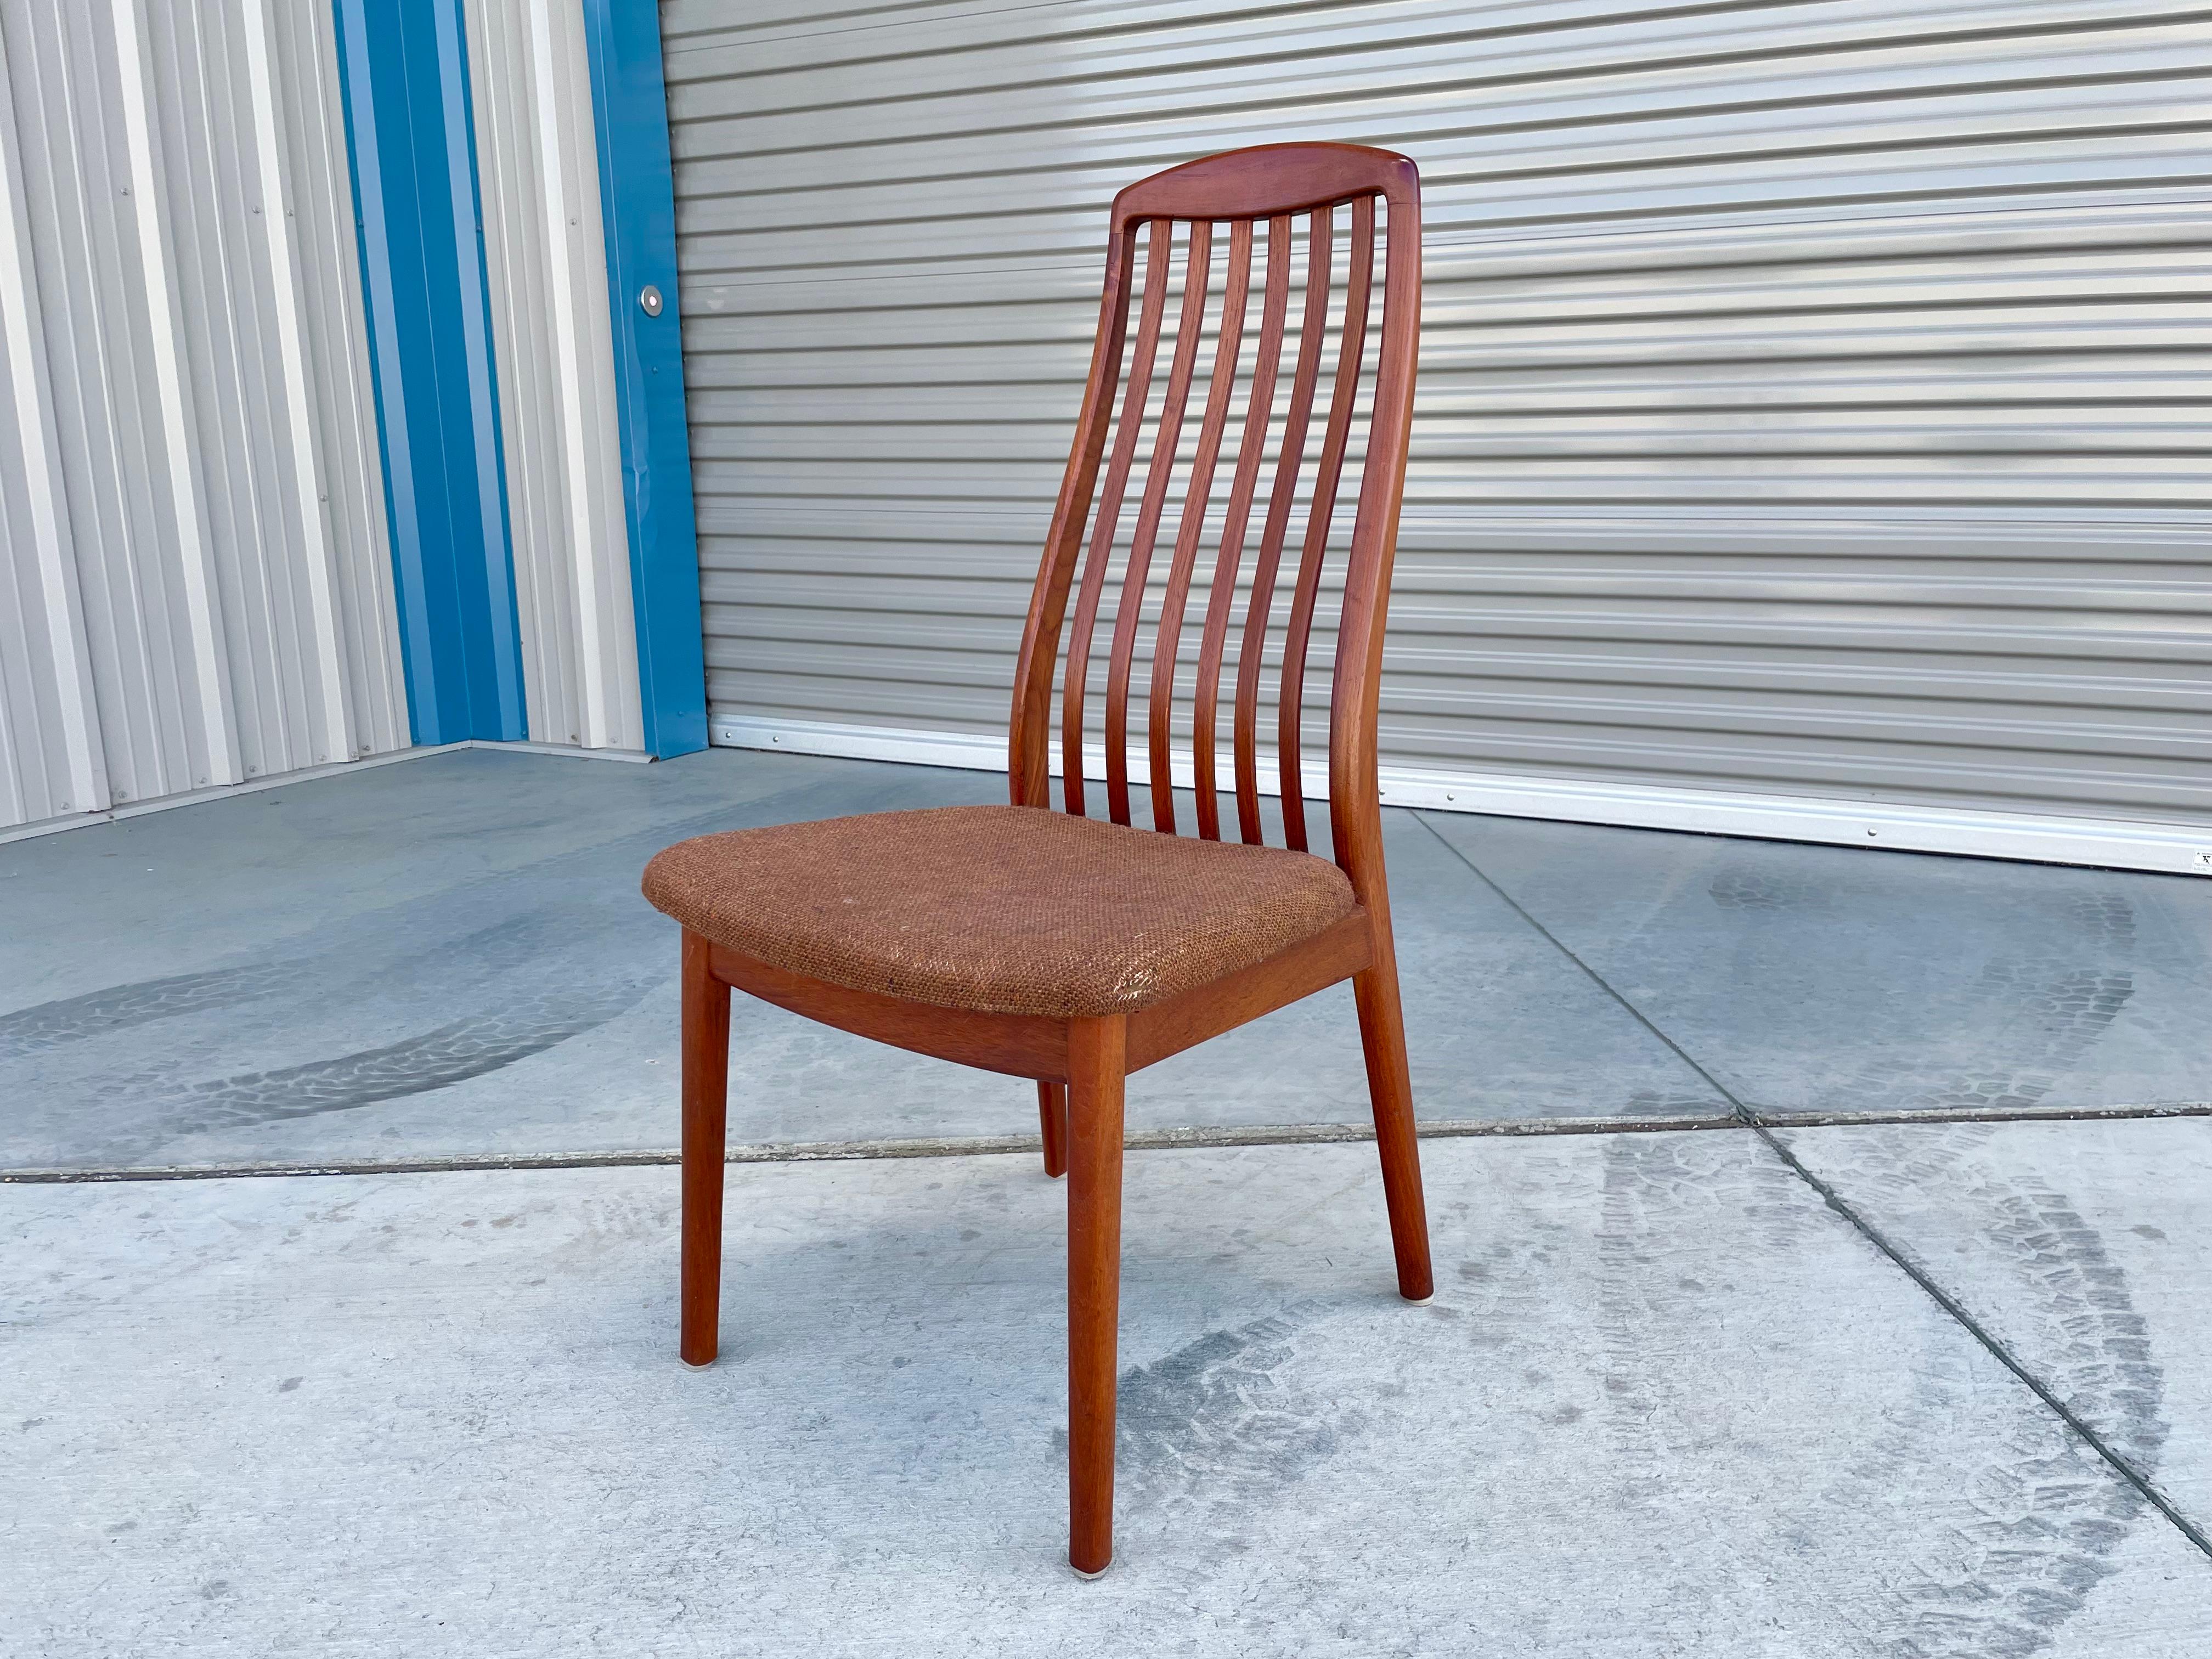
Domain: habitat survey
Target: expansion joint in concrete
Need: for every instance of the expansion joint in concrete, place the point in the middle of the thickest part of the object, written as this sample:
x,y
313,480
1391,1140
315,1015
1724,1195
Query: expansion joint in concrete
x,y
1764,1125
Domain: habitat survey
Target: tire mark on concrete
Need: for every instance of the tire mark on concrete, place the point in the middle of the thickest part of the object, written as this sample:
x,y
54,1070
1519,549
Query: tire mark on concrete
x,y
1652,1190
1221,1425
450,1054
389,944
1740,887
2009,1522
2042,1522
2045,1013
503,946
531,983
116,1007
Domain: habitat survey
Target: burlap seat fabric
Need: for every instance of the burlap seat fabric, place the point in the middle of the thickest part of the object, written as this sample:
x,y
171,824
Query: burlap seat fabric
x,y
1001,909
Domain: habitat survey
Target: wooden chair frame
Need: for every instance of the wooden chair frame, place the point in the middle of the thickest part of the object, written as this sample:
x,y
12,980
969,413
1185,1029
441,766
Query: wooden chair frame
x,y
1080,1065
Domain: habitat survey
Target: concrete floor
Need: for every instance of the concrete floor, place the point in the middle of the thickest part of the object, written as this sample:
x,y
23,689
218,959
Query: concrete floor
x,y
1910,1385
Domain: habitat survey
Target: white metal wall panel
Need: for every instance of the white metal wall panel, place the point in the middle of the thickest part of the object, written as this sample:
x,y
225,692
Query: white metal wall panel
x,y
1811,403
537,164
50,755
202,399
341,396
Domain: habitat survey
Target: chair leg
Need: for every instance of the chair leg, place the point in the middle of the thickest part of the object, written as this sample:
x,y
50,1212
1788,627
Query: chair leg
x,y
706,1115
1389,1087
1052,1112
1096,1056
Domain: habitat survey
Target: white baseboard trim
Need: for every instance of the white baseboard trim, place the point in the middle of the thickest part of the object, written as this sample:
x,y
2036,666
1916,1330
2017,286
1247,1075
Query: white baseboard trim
x,y
305,774
2113,844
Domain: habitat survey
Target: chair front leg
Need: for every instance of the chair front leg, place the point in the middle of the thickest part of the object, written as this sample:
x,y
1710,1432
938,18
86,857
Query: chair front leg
x,y
706,1116
1096,1054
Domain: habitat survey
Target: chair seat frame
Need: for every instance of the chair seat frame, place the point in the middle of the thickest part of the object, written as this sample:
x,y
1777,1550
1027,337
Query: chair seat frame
x,y
1081,1065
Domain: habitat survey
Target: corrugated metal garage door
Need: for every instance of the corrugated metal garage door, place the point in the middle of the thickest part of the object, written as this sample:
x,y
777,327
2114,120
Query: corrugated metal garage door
x,y
1813,398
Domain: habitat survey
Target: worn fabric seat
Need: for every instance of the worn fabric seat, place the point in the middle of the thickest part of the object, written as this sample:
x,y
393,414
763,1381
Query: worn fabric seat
x,y
1000,909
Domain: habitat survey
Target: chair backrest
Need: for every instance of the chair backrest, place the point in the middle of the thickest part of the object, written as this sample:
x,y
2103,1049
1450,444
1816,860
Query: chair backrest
x,y
1269,199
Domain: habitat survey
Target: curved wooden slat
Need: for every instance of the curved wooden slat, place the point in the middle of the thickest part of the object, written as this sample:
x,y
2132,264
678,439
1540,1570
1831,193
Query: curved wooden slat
x,y
1351,351
1251,450
1307,486
1028,768
1131,420
1355,811
1190,324
1167,638
1313,324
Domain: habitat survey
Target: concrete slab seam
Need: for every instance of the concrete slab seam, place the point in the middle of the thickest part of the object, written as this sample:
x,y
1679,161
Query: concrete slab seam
x,y
835,1152
1765,1129
2135,1477
1194,1137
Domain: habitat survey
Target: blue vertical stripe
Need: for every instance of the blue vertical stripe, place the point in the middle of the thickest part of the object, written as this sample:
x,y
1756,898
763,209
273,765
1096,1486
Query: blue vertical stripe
x,y
637,201
404,77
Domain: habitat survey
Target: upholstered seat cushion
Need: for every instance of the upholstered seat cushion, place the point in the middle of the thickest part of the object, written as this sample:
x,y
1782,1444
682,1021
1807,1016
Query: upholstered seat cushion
x,y
1004,910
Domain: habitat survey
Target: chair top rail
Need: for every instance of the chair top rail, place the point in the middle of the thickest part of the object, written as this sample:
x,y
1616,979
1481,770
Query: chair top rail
x,y
1266,181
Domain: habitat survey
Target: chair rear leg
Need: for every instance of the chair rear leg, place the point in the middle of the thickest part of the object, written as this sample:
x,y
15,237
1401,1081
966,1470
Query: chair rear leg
x,y
1052,1112
1096,1062
706,1116
1389,1087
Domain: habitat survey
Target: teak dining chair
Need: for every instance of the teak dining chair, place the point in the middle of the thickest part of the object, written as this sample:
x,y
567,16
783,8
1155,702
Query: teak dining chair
x,y
1055,946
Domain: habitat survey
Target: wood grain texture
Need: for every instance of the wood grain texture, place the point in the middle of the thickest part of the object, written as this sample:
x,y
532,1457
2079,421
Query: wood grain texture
x,y
1251,451
1326,959
1051,1120
706,1112
1028,736
1023,1045
1289,461
1159,474
1019,1045
1094,1283
1167,638
1354,792
1080,1065
1390,1095
1266,180
1328,478
1131,421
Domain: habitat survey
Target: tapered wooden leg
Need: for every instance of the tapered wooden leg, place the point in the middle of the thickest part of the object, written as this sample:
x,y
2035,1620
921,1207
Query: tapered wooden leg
x,y
706,1113
1052,1112
1389,1087
1097,1055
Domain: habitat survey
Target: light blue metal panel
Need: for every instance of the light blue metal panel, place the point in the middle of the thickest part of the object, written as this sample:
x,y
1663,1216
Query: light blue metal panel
x,y
637,200
405,82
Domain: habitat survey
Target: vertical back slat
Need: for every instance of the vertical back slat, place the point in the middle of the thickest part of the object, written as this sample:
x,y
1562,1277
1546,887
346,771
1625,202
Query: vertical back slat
x,y
1028,736
1354,791
1189,325
1320,236
1168,639
1357,453
1131,420
1351,350
1251,450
